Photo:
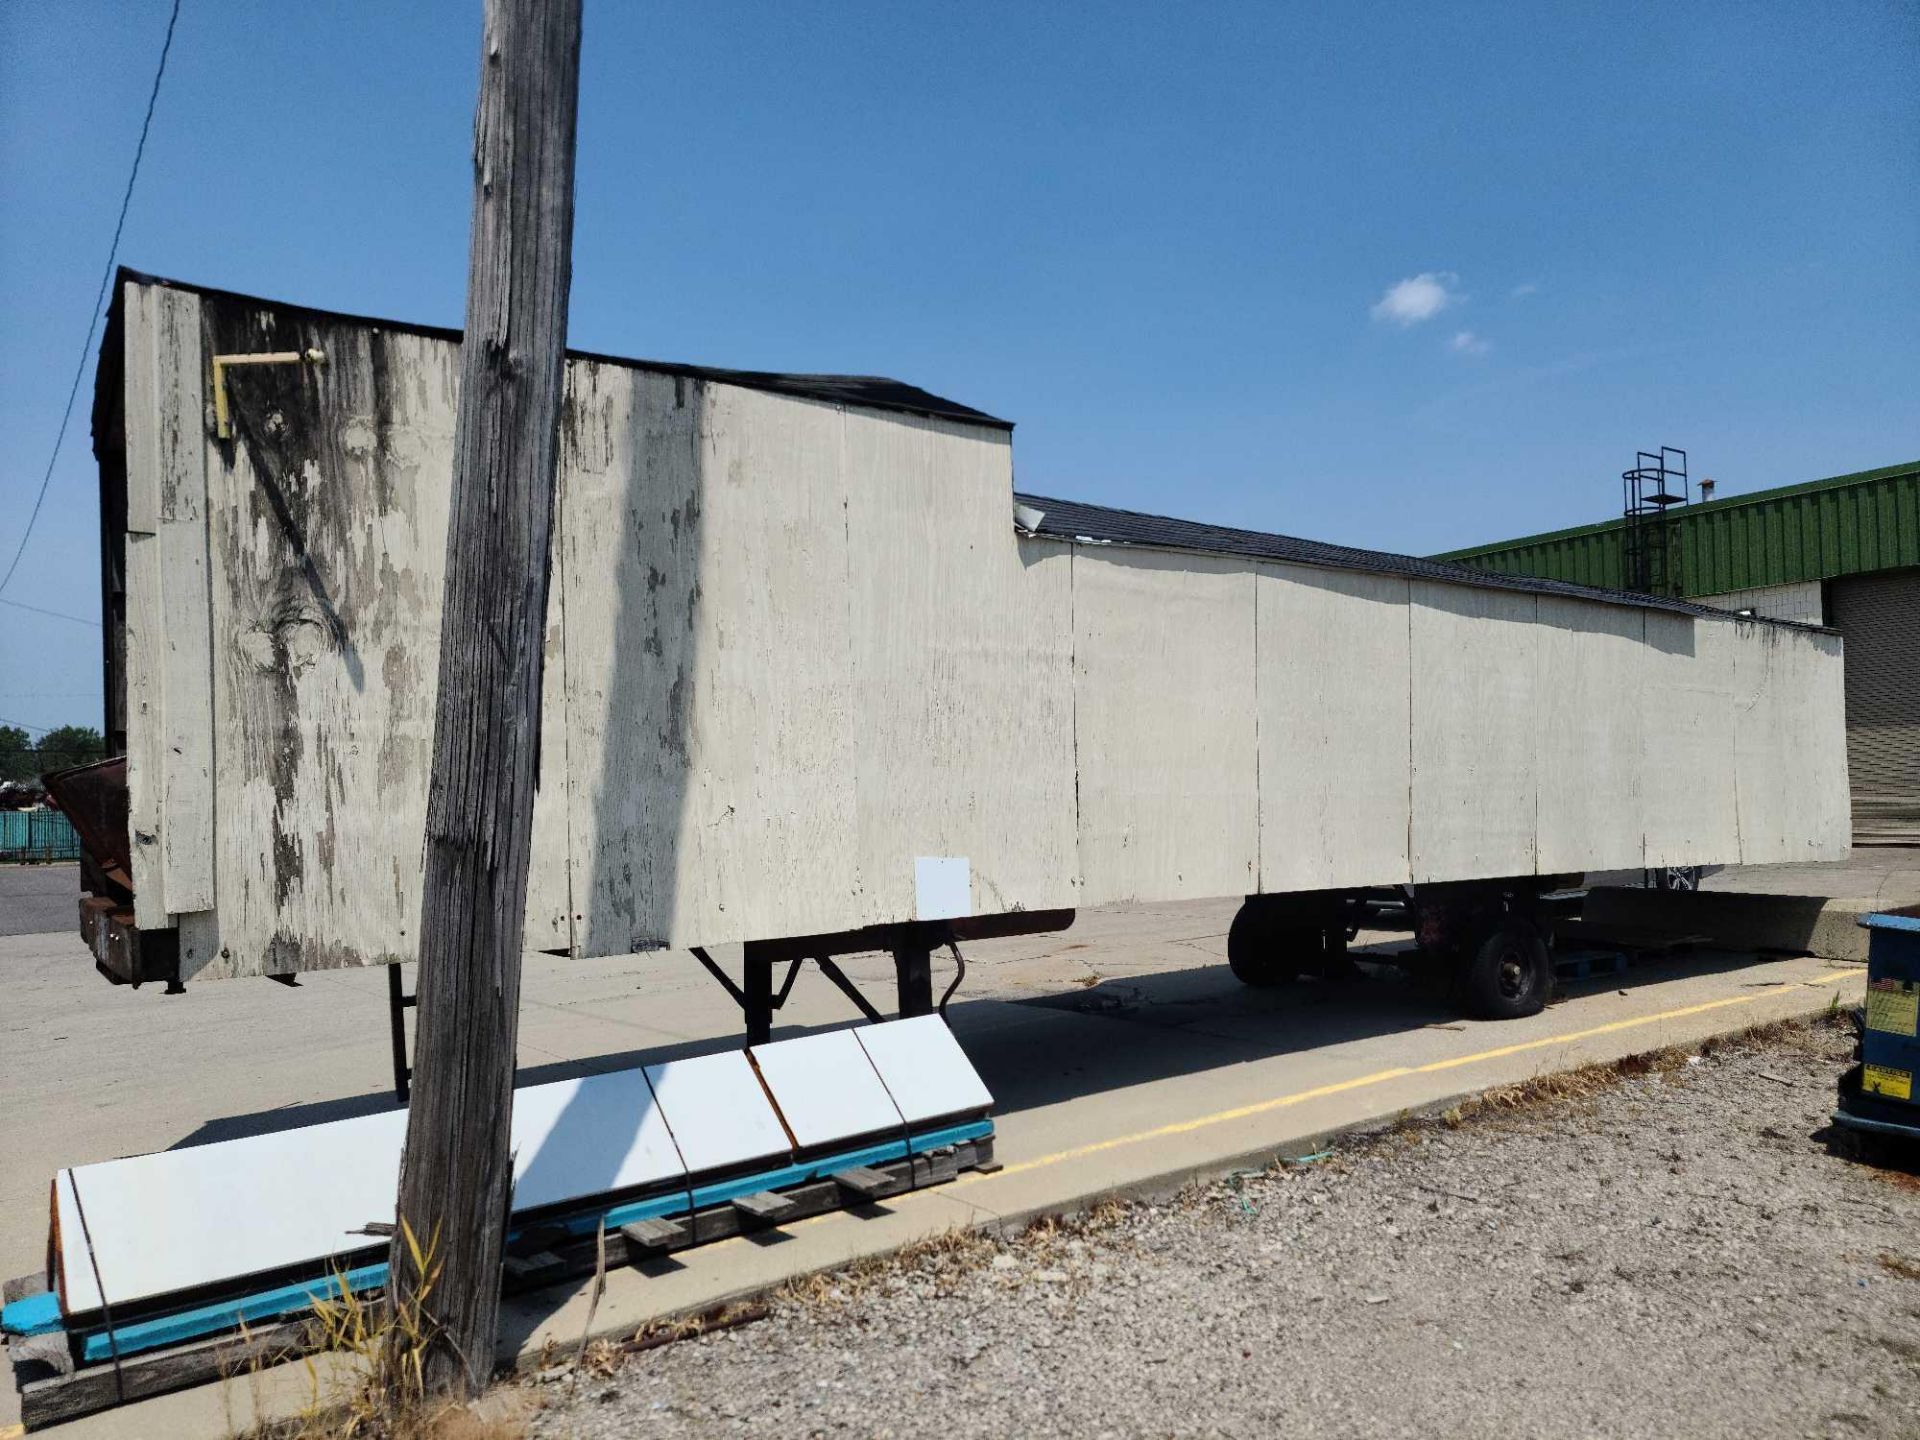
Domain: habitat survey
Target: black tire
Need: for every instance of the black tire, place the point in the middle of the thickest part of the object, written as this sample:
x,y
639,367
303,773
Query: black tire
x,y
1264,953
1509,973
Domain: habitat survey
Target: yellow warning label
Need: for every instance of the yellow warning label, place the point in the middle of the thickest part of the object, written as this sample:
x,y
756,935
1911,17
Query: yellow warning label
x,y
1885,1080
1893,1006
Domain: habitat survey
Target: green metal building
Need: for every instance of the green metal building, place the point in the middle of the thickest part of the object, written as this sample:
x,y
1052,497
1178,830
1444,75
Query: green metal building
x,y
1843,552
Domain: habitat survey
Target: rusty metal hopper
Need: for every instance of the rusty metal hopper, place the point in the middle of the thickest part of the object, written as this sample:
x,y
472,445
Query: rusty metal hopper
x,y
94,798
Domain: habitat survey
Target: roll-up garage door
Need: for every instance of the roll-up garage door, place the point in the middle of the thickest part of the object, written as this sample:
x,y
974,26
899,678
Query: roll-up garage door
x,y
1879,616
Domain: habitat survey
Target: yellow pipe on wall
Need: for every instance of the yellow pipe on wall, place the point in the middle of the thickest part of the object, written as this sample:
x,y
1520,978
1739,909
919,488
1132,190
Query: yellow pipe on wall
x,y
222,426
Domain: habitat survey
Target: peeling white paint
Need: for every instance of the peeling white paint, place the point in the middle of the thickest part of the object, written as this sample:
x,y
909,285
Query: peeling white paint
x,y
792,646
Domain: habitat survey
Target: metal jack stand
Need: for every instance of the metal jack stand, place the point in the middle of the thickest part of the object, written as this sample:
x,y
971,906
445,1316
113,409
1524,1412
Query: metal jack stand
x,y
398,1003
911,943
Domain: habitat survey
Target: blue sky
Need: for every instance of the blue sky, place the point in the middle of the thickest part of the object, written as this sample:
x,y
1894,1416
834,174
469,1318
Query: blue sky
x,y
1403,276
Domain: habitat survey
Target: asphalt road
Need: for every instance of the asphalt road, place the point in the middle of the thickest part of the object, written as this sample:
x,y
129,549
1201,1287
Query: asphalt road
x,y
38,899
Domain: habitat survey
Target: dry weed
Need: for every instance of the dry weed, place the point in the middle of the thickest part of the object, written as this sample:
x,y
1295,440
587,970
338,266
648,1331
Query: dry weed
x,y
1899,1265
1810,1033
1899,1179
656,1333
945,1256
382,1392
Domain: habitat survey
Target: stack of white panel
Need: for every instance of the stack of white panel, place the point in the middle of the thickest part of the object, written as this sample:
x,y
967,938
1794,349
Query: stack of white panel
x,y
848,1083
131,1232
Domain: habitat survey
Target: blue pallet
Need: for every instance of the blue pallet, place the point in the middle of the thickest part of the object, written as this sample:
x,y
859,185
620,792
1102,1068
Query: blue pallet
x,y
1580,964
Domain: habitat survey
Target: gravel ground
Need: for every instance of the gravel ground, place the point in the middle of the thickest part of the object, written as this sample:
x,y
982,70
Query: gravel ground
x,y
1664,1248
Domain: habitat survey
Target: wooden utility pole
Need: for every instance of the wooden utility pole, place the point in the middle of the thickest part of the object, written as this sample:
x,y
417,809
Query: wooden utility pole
x,y
456,1171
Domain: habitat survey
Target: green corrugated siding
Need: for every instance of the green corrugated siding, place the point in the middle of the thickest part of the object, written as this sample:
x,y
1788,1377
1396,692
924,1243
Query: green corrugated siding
x,y
37,835
1849,525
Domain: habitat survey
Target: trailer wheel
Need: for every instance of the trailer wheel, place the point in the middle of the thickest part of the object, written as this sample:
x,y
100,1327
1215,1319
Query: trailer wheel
x,y
1264,953
1509,974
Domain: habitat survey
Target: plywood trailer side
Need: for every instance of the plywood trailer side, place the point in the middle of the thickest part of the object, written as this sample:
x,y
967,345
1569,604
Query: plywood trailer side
x,y
1164,726
1335,715
1593,745
1413,730
962,699
797,653
850,663
1476,695
773,627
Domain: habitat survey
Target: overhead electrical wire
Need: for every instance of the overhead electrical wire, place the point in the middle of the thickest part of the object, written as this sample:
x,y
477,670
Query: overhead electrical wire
x,y
113,253
56,614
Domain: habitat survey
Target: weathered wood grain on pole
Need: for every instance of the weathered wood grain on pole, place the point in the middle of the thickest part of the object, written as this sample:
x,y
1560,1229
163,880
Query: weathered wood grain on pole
x,y
456,1170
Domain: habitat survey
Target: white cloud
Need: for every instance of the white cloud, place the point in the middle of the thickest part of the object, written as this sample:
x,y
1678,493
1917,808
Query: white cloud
x,y
1465,342
1418,297
1521,291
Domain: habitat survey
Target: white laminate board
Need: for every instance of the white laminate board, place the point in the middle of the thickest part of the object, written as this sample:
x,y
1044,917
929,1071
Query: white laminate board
x,y
185,1218
587,1137
826,1088
924,1069
211,1213
719,1113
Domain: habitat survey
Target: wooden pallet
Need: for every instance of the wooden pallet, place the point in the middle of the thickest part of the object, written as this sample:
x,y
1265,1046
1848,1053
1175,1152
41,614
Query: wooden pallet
x,y
53,1390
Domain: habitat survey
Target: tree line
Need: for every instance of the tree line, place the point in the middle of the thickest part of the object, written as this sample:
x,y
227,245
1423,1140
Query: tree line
x,y
21,758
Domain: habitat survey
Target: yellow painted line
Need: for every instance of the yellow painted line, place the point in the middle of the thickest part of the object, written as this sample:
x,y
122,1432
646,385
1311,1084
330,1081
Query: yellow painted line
x,y
1281,1102
13,1432
1178,1127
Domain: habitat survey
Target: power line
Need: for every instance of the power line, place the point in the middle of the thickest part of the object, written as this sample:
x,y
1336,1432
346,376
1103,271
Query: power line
x,y
113,253
56,614
39,729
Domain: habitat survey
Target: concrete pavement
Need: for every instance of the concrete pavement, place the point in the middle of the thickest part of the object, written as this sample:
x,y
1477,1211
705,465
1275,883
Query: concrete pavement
x,y
1889,875
1122,1055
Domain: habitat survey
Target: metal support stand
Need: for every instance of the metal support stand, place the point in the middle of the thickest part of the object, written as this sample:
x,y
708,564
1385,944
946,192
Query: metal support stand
x,y
398,1003
911,944
913,969
756,965
757,999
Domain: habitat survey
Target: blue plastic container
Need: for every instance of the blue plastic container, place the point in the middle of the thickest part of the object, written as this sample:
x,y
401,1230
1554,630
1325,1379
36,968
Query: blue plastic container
x,y
1878,1095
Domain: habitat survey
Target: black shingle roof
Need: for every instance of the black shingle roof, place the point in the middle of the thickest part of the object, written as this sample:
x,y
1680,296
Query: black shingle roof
x,y
1101,524
875,392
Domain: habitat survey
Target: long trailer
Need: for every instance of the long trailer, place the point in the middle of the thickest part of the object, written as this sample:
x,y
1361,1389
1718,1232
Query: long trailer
x,y
817,679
